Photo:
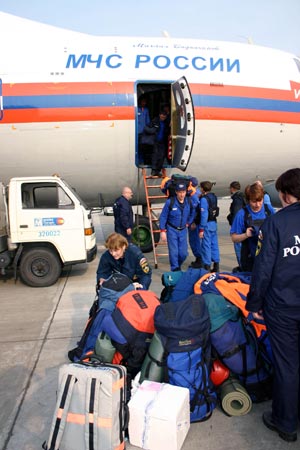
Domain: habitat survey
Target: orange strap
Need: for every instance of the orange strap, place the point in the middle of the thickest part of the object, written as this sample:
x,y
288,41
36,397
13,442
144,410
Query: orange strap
x,y
232,291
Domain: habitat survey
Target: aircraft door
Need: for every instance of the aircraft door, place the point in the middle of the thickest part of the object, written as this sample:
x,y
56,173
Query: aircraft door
x,y
1,101
182,123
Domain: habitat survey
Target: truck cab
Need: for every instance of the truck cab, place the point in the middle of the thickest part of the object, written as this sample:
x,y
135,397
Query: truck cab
x,y
47,226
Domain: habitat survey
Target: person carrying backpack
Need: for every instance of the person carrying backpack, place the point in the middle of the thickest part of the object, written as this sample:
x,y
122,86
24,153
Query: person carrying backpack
x,y
176,216
208,229
247,223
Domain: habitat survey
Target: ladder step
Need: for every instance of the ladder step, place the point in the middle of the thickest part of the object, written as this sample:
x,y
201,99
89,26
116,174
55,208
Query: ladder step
x,y
157,196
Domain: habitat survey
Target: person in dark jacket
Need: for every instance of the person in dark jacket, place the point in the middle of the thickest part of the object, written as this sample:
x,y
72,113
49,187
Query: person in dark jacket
x,y
125,258
237,202
123,213
176,216
162,127
274,296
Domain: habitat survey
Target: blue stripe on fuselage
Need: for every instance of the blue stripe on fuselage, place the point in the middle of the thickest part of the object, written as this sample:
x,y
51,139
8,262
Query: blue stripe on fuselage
x,y
115,100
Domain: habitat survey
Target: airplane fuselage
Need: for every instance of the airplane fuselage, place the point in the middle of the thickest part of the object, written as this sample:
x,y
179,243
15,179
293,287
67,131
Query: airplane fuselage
x,y
69,106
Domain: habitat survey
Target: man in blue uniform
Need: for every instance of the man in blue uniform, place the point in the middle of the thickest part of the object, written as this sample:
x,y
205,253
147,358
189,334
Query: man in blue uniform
x,y
123,213
208,229
275,297
176,216
247,223
193,229
124,258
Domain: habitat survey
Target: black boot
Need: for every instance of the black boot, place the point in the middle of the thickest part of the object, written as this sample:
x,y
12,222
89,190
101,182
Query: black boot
x,y
197,264
216,267
207,267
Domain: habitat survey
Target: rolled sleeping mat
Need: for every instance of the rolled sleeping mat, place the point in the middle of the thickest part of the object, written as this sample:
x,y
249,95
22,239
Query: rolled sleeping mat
x,y
235,400
152,368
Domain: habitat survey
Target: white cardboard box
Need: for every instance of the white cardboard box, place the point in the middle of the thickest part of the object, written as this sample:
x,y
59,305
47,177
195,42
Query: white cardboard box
x,y
159,416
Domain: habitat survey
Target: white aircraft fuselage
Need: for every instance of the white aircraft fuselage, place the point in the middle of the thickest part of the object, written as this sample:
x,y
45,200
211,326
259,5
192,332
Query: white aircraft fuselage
x,y
69,106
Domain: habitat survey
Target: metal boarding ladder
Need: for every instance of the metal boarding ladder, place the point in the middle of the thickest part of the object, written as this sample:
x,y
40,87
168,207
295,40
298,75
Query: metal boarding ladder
x,y
154,205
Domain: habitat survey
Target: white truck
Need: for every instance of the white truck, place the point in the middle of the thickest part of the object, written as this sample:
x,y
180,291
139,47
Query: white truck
x,y
44,226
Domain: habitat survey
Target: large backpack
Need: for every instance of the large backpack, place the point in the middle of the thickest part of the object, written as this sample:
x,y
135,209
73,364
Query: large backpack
x,y
242,343
213,209
106,297
133,318
169,281
183,328
168,185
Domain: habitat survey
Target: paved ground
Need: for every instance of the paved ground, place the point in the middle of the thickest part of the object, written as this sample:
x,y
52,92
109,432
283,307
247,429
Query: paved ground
x,y
39,326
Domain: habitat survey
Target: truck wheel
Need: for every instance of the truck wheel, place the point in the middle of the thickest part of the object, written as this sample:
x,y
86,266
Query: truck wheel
x,y
141,235
39,267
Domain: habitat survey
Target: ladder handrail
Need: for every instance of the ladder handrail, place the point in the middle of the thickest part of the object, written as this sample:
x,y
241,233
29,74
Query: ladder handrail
x,y
150,209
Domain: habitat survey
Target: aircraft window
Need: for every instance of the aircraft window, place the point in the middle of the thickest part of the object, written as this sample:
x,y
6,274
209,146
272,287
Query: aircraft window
x,y
297,61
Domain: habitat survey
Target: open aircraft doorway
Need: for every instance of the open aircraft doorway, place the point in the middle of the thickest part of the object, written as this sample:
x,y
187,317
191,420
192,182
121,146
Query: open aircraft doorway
x,y
176,100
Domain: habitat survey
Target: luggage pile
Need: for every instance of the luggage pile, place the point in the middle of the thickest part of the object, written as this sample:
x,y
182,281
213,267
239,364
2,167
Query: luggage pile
x,y
197,344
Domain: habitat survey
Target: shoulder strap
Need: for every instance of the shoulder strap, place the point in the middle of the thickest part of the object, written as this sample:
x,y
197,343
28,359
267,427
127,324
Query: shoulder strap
x,y
267,210
172,201
247,215
92,408
61,412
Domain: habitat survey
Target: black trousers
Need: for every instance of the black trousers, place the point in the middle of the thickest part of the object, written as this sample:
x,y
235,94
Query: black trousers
x,y
284,329
158,155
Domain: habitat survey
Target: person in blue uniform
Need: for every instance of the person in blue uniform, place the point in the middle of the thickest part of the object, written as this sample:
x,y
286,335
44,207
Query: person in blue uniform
x,y
123,213
176,216
125,258
247,222
208,228
193,229
238,201
274,296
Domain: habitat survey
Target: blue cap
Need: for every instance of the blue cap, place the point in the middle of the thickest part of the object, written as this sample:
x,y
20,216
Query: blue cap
x,y
180,187
194,181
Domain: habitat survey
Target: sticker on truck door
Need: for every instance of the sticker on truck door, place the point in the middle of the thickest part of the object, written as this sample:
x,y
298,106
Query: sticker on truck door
x,y
48,221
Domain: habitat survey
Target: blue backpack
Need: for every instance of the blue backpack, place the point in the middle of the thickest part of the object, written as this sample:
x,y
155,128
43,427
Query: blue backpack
x,y
238,348
184,330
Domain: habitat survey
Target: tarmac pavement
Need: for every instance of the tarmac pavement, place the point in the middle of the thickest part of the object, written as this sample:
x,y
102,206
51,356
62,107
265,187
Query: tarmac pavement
x,y
40,325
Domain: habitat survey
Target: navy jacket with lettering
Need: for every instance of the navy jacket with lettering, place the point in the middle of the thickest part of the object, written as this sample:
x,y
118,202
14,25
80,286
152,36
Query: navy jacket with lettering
x,y
133,264
276,272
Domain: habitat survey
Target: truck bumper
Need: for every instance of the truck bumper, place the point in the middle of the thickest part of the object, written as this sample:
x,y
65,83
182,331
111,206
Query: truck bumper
x,y
91,254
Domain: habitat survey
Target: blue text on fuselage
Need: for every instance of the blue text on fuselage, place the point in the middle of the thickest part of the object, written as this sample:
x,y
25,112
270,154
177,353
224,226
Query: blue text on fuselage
x,y
180,62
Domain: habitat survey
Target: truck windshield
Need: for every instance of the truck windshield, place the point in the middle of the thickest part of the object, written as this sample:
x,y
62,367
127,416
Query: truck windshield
x,y
76,195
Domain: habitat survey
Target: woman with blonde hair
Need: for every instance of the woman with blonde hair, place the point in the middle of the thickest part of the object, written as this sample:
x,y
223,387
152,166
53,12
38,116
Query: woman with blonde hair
x,y
125,258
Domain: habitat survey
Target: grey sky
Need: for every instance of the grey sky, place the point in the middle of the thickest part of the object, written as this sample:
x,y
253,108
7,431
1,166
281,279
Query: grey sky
x,y
273,23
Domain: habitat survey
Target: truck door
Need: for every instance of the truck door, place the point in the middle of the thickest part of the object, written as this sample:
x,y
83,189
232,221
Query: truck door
x,y
48,214
182,123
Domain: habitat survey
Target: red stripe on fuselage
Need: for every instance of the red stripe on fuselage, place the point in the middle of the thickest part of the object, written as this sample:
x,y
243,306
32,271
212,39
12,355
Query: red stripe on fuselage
x,y
68,114
67,88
